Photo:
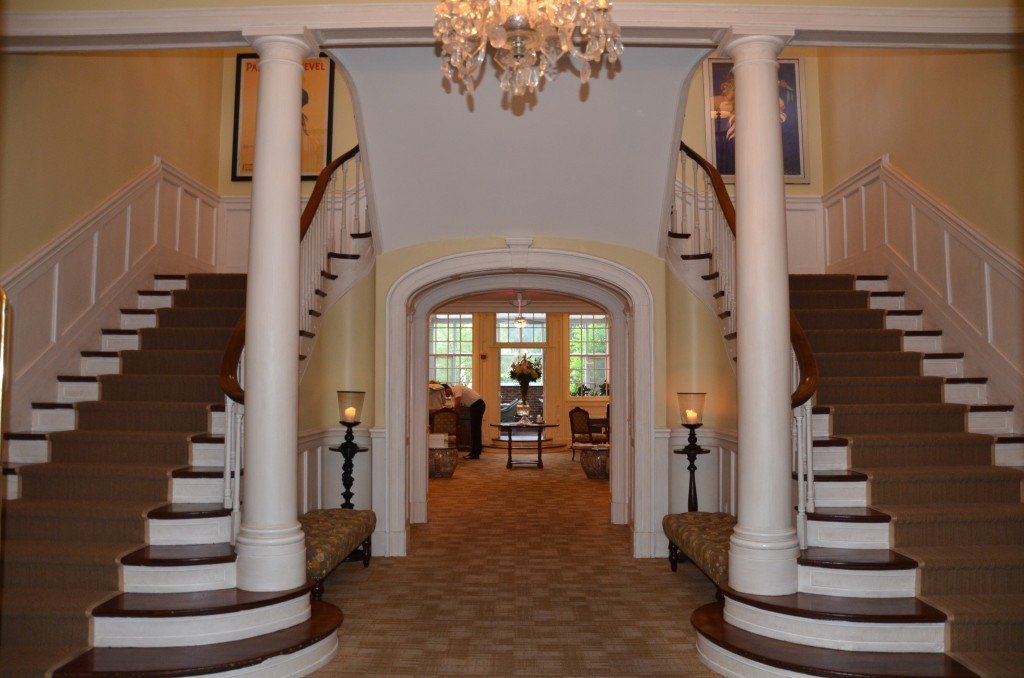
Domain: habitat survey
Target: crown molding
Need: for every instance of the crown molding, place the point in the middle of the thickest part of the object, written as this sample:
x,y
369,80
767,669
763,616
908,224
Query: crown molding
x,y
701,25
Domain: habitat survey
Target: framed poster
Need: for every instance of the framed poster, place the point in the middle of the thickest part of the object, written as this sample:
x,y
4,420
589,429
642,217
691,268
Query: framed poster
x,y
719,96
317,113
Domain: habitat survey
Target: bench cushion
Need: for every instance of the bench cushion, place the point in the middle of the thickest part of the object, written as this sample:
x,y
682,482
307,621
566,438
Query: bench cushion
x,y
332,534
704,539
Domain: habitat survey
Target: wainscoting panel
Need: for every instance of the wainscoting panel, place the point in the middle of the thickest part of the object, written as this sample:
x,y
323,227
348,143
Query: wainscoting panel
x,y
188,224
874,215
319,478
715,476
854,235
967,286
74,286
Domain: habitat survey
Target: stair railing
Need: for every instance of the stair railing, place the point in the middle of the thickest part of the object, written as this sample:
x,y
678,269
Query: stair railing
x,y
332,218
5,353
702,215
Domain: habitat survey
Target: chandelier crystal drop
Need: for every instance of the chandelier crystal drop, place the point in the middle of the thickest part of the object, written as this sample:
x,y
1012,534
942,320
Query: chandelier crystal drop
x,y
528,37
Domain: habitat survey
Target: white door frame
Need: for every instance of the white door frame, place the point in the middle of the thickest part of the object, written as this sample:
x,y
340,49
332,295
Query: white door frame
x,y
638,477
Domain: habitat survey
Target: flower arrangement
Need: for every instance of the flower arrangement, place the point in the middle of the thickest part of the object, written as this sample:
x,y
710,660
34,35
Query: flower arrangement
x,y
526,370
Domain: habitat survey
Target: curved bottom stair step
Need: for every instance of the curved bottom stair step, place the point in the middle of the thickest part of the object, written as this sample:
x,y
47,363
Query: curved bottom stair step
x,y
210,659
734,652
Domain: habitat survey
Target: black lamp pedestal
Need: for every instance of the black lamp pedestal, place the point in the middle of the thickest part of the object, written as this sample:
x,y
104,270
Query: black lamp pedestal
x,y
691,451
348,450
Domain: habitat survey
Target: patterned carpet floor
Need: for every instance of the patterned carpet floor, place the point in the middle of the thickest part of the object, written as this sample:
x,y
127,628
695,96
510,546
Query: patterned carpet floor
x,y
517,573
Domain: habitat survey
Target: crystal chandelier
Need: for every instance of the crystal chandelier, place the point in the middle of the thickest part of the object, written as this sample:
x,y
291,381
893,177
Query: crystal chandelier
x,y
528,36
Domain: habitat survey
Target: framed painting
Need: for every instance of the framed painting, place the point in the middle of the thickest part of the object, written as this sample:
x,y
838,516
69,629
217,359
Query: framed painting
x,y
317,114
719,91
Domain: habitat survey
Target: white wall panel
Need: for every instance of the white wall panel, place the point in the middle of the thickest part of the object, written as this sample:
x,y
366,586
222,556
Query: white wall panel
x,y
110,259
899,217
967,284
32,321
854,224
142,233
874,216
836,238
75,287
1007,299
930,250
187,224
207,234
168,231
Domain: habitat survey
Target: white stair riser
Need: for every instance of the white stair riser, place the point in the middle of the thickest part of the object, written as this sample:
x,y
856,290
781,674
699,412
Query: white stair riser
x,y
837,635
943,367
845,494
119,342
991,423
11,487
965,394
93,366
927,344
731,665
170,285
188,531
827,581
831,458
821,426
46,420
293,665
153,301
198,629
888,303
842,535
77,391
207,454
872,285
1009,454
197,490
28,451
217,419
904,322
182,579
136,321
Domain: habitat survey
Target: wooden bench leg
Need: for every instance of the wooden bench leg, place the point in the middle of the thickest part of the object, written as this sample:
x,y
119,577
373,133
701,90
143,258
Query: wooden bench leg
x,y
317,591
673,556
366,552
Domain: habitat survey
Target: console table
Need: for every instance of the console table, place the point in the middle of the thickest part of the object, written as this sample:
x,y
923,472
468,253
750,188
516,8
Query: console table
x,y
514,426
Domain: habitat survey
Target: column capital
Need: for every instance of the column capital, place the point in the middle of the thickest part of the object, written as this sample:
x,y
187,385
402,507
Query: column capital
x,y
745,42
292,43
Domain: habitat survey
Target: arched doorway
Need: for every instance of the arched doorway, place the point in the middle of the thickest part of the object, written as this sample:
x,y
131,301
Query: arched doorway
x,y
635,483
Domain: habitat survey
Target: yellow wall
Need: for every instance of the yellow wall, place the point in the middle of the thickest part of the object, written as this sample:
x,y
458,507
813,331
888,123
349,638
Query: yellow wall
x,y
65,5
695,120
342,359
951,120
344,124
75,128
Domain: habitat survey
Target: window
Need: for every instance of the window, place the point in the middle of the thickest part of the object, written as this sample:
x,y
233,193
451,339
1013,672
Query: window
x,y
588,355
511,355
450,355
535,331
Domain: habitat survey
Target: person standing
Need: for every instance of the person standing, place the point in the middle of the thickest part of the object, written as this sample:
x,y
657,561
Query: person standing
x,y
464,395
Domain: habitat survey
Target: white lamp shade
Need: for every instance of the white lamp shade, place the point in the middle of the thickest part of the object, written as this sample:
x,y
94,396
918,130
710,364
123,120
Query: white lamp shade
x,y
691,407
350,405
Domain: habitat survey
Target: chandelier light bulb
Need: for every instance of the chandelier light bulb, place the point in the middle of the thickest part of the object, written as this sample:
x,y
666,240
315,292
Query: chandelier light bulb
x,y
528,37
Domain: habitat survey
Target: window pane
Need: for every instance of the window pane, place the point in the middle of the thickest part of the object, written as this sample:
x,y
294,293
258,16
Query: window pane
x,y
535,331
588,355
450,354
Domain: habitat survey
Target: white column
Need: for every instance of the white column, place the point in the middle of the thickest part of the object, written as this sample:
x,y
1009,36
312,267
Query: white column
x,y
764,548
271,553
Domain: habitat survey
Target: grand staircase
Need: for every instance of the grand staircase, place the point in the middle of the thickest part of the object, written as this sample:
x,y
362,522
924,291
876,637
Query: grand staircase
x,y
915,558
118,558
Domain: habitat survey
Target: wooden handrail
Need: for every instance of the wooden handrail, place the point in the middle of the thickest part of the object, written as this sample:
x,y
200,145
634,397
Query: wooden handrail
x,y
5,352
807,384
233,353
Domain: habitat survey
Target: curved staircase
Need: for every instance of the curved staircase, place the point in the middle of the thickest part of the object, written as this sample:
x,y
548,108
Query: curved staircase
x,y
915,558
118,554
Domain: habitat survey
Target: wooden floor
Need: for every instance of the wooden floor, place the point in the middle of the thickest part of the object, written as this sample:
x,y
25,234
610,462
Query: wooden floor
x,y
517,573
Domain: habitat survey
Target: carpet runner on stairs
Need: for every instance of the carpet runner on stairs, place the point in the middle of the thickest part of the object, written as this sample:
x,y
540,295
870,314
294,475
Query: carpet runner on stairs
x,y
954,512
87,508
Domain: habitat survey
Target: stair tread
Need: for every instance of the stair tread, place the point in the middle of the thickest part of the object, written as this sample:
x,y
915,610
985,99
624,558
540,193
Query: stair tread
x,y
841,608
979,511
181,510
199,472
192,603
76,507
966,473
980,606
849,514
180,555
46,602
855,559
53,406
710,623
837,476
218,657
964,555
831,441
142,437
58,552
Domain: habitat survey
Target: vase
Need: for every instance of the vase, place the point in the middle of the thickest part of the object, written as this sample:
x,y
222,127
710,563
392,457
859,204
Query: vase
x,y
523,409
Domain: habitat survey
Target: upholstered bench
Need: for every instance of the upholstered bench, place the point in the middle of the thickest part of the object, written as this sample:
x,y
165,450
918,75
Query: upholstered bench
x,y
333,536
703,538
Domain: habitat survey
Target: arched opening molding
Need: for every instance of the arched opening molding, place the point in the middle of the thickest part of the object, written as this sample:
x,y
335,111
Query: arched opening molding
x,y
639,464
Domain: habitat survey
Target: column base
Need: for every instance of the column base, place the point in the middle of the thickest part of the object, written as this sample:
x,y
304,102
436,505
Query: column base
x,y
270,560
763,564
